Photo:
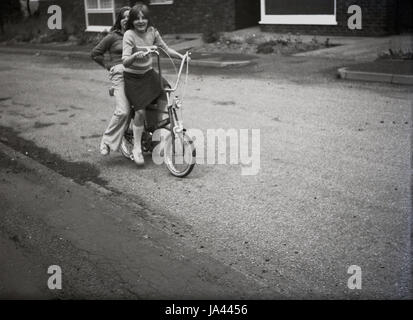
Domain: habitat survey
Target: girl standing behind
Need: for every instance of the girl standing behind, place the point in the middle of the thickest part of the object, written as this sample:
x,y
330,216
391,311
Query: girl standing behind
x,y
112,44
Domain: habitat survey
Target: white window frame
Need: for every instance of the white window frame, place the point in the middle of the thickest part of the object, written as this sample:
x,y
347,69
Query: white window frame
x,y
160,2
303,19
99,10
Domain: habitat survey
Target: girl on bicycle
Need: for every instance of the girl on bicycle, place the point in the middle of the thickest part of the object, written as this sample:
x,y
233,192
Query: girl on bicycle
x,y
112,44
142,83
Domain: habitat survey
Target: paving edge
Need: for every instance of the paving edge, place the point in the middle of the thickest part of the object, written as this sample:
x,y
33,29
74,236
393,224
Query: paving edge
x,y
41,168
85,55
346,74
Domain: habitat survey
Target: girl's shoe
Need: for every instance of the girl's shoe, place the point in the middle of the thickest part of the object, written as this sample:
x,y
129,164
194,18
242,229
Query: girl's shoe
x,y
104,149
138,157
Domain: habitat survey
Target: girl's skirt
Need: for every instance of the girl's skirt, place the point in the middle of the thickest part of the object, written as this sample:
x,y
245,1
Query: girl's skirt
x,y
143,89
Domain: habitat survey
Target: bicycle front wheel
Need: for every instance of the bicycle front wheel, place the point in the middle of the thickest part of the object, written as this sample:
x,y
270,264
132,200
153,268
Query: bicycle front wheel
x,y
179,154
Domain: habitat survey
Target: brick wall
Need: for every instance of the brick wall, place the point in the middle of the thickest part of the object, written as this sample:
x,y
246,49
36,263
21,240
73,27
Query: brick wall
x,y
194,16
379,18
247,13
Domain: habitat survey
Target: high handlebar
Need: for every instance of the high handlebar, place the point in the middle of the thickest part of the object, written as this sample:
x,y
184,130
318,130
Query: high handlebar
x,y
181,67
148,50
154,50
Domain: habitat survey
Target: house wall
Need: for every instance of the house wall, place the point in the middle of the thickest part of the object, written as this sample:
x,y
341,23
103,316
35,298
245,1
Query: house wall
x,y
247,13
405,15
379,18
73,13
194,16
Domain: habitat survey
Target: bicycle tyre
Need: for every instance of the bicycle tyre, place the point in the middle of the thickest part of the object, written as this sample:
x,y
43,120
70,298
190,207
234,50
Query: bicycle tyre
x,y
180,170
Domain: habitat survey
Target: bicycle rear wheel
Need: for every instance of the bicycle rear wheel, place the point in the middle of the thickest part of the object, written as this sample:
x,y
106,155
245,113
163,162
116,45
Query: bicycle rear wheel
x,y
179,154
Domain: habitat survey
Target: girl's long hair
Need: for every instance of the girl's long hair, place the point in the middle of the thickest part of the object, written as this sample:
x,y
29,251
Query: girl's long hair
x,y
134,15
117,26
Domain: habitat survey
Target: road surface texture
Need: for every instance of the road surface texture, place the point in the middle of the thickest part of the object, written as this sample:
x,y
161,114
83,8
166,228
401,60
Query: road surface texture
x,y
103,245
333,189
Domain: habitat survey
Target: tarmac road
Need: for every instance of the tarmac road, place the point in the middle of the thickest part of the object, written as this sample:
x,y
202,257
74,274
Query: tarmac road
x,y
102,244
333,188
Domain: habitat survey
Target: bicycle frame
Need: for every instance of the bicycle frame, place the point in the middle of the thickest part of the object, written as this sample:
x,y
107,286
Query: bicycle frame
x,y
172,102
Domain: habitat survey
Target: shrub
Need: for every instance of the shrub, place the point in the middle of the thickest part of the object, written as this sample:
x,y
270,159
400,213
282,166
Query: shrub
x,y
232,39
314,40
25,36
210,36
298,39
54,36
266,47
253,39
82,39
399,54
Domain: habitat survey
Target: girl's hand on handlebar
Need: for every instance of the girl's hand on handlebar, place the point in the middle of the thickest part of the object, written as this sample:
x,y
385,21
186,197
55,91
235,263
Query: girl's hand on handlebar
x,y
144,51
188,58
142,54
146,48
139,54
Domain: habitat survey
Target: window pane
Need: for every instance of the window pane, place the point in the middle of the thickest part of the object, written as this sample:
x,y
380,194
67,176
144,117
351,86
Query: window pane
x,y
100,19
105,4
92,4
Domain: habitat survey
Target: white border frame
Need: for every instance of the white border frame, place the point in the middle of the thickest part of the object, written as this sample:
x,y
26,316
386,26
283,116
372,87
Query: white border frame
x,y
310,19
99,28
